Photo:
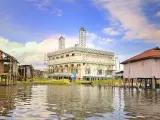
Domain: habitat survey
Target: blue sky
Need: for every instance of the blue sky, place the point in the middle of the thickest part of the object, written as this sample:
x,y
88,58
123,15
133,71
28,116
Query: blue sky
x,y
30,28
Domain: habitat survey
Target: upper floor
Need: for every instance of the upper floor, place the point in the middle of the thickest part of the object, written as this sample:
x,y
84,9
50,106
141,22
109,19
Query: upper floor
x,y
79,56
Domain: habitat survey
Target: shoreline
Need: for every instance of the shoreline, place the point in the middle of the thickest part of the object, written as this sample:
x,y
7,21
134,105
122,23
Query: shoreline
x,y
107,82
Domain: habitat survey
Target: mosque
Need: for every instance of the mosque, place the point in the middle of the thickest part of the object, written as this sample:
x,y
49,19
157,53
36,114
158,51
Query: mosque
x,y
79,62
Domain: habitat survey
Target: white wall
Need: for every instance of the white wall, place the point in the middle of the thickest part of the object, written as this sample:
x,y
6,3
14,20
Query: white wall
x,y
82,57
143,69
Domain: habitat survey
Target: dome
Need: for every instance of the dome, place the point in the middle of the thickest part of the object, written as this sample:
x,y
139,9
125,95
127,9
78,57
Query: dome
x,y
61,37
82,28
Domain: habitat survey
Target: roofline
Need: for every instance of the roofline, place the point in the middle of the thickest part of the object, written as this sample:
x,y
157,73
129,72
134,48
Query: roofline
x,y
9,56
76,49
145,58
148,57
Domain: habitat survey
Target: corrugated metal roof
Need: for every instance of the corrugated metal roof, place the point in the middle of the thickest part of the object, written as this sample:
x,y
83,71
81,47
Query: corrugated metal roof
x,y
80,49
13,58
148,54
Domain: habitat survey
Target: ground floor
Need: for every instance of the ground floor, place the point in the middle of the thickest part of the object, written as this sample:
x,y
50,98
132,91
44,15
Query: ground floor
x,y
84,71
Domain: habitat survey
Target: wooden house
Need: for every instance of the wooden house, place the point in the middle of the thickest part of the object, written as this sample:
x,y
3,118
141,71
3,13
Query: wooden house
x,y
26,72
8,69
144,66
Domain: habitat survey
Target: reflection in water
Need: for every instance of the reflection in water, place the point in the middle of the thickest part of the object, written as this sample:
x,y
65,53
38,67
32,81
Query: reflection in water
x,y
77,103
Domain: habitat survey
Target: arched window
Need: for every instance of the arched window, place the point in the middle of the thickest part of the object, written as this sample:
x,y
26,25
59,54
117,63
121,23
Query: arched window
x,y
87,70
73,54
100,70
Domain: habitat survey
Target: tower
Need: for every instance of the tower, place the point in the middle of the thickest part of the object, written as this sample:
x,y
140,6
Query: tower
x,y
82,37
61,42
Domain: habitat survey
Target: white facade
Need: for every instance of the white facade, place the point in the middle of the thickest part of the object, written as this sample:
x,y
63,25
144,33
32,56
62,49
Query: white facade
x,y
61,42
83,63
80,62
82,37
142,69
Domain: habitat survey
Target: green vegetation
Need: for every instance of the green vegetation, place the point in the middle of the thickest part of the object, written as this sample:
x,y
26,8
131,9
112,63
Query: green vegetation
x,y
108,82
45,81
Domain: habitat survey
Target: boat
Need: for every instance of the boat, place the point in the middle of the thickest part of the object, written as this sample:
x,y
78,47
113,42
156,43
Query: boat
x,y
86,83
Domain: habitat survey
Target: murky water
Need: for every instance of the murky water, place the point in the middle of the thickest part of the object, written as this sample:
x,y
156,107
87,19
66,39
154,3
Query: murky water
x,y
49,102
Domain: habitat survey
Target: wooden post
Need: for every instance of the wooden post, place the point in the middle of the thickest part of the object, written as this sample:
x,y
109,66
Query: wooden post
x,y
153,83
145,83
124,82
137,84
5,80
132,82
24,73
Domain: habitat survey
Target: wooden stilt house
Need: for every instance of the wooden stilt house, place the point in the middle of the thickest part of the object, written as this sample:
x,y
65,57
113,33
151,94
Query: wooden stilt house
x,y
8,69
26,72
144,67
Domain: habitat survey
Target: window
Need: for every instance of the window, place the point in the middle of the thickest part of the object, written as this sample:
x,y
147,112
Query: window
x,y
57,57
67,55
73,54
109,72
76,71
99,72
88,71
62,56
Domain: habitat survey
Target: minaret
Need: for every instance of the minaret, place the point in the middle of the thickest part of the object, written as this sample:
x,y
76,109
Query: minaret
x,y
61,42
82,37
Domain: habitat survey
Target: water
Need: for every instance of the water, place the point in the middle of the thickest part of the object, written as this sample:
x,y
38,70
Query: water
x,y
47,102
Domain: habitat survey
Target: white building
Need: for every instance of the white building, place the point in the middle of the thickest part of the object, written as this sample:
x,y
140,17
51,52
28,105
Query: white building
x,y
80,62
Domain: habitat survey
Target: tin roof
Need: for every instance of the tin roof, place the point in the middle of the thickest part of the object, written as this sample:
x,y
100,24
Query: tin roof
x,y
80,49
11,57
148,54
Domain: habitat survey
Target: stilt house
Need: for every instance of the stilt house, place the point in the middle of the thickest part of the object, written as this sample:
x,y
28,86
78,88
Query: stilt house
x,y
26,71
8,68
144,66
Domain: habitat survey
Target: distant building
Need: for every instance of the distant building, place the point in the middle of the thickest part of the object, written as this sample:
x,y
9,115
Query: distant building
x,y
26,71
80,62
38,74
144,65
119,74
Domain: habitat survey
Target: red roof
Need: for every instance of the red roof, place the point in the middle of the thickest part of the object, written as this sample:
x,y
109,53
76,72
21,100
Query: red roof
x,y
148,54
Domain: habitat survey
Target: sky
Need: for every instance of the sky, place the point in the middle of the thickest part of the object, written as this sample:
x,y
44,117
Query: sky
x,y
31,28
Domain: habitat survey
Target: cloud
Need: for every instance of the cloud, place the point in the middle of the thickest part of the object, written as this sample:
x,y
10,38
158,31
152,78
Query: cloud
x,y
57,11
111,31
129,13
46,5
158,14
96,41
33,52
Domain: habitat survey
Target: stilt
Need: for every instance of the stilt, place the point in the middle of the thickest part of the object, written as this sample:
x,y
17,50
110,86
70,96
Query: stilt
x,y
132,82
145,83
153,83
137,85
